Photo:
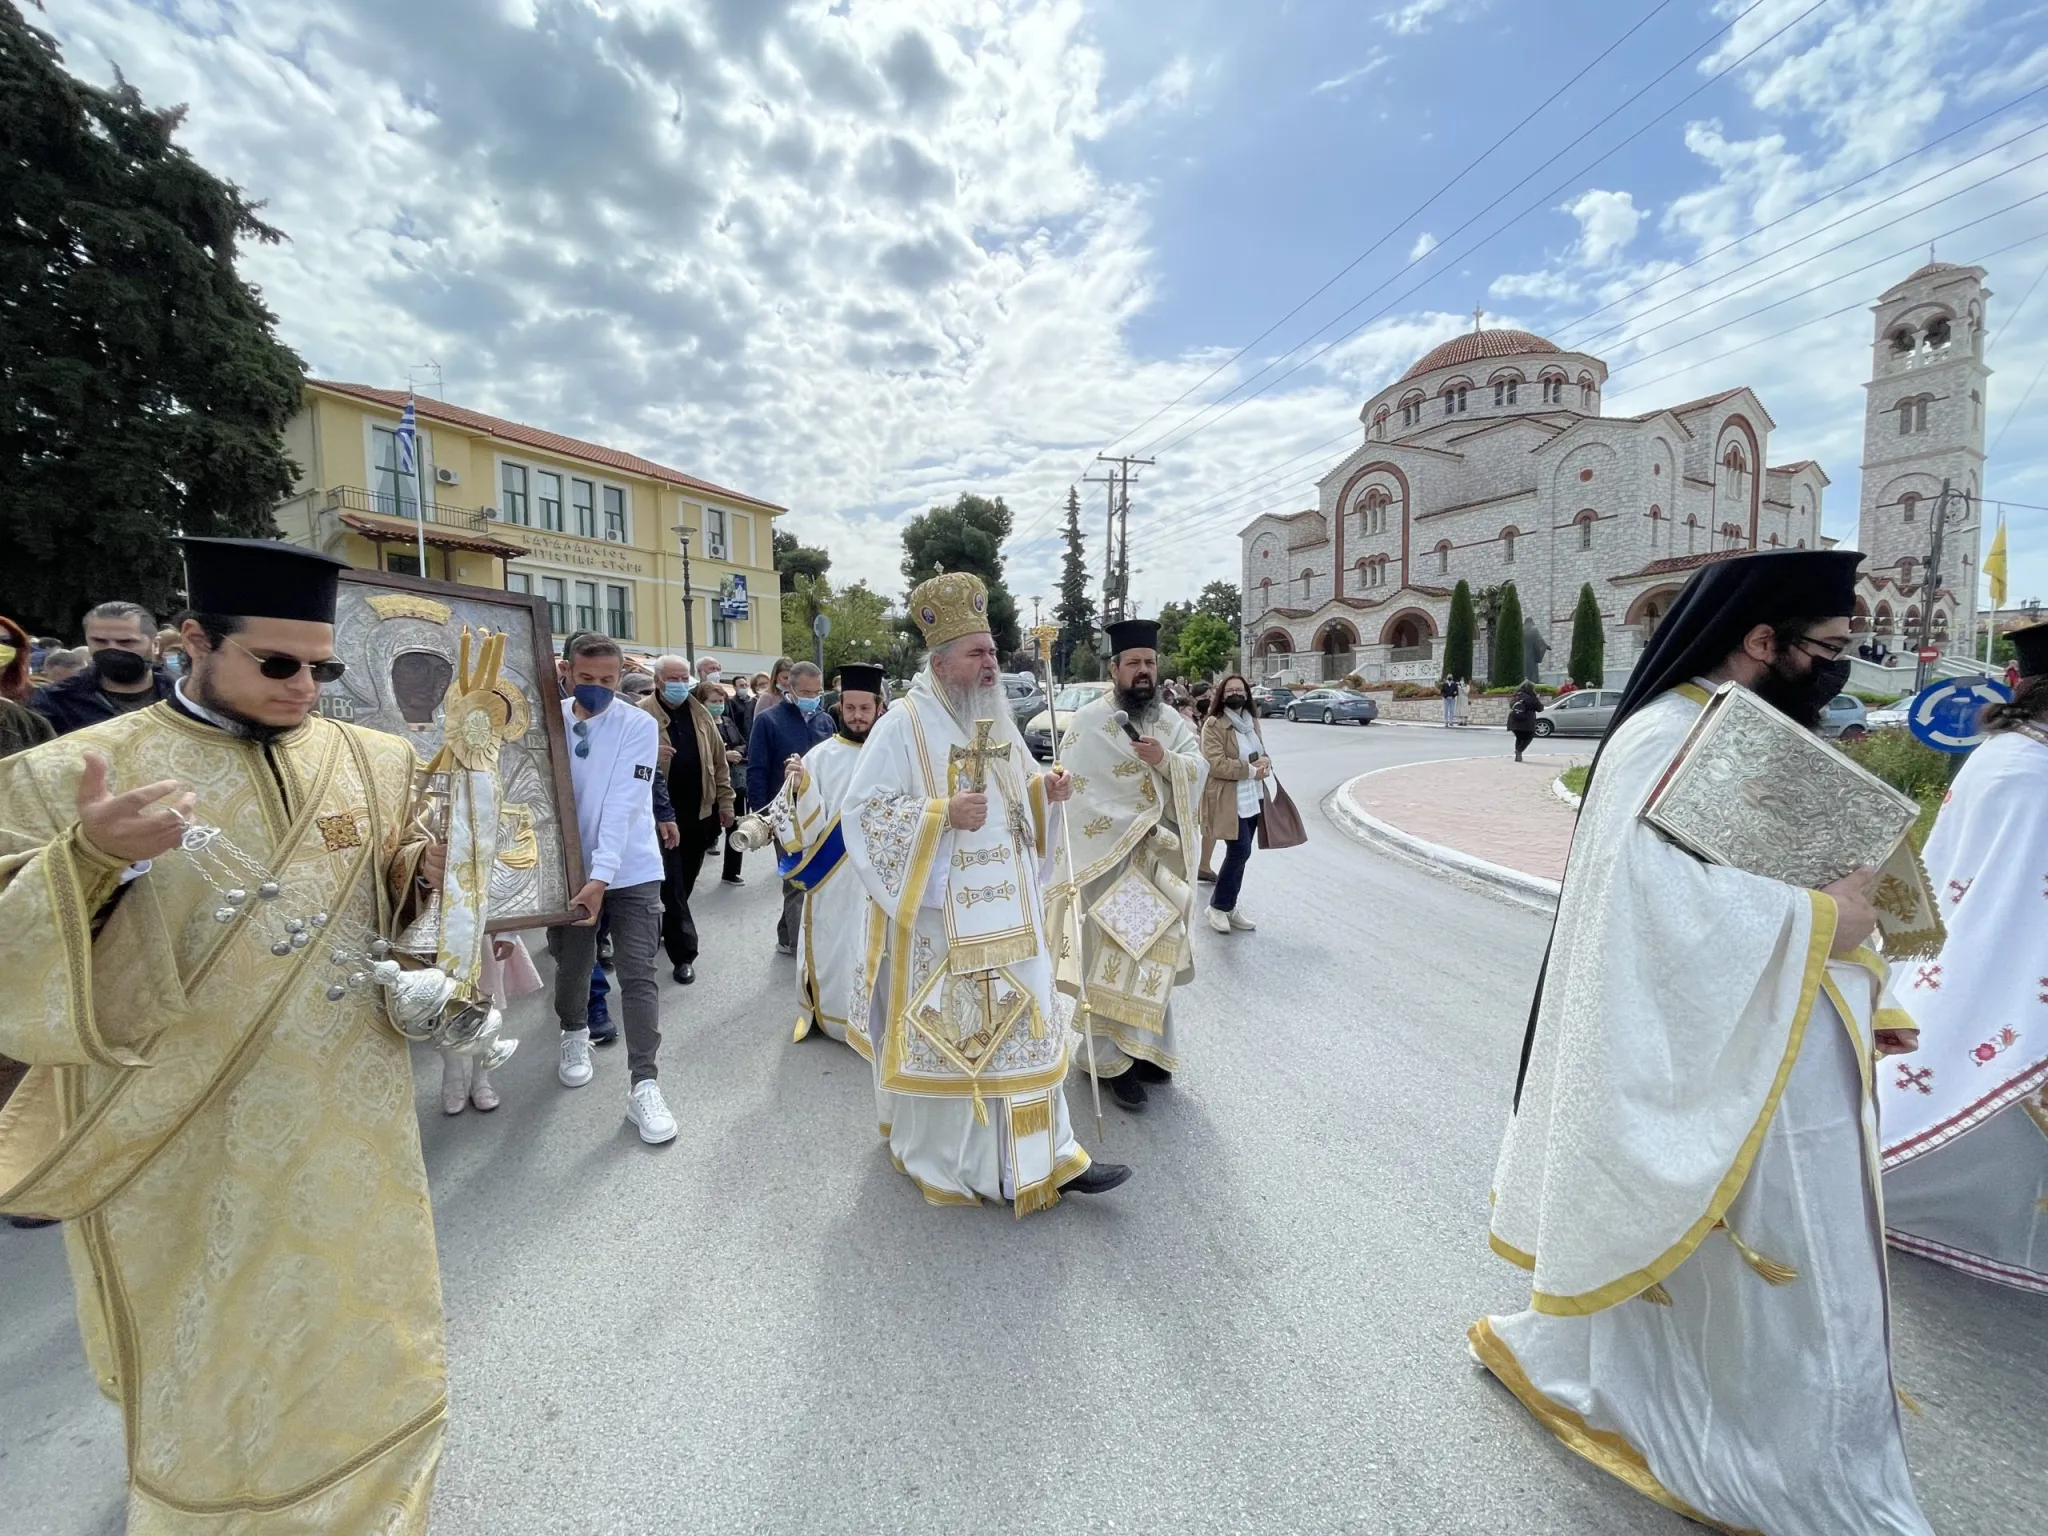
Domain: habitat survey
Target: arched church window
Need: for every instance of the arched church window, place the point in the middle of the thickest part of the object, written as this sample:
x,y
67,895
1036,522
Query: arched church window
x,y
1504,391
1379,422
1920,413
1585,524
1938,332
1507,545
1774,541
1585,394
1907,565
1902,339
1905,418
1909,507
1454,399
1443,557
1976,410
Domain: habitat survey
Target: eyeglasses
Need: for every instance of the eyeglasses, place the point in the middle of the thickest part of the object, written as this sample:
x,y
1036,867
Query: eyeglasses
x,y
581,729
278,668
1822,651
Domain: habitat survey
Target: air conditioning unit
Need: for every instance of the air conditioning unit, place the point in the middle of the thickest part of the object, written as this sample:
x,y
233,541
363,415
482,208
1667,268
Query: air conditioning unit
x,y
611,537
447,477
490,514
714,546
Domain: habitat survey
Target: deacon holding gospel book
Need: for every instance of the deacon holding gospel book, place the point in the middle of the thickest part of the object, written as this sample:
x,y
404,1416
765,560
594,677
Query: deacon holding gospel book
x,y
1688,1174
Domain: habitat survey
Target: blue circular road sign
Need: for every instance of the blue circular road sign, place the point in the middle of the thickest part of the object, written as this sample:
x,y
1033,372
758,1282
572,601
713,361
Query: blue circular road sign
x,y
1944,715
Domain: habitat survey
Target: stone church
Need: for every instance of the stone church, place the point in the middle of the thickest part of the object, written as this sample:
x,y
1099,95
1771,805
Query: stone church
x,y
1489,460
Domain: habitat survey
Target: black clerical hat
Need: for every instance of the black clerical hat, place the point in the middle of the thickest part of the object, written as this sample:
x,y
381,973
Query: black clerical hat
x,y
859,677
2030,648
260,579
1132,635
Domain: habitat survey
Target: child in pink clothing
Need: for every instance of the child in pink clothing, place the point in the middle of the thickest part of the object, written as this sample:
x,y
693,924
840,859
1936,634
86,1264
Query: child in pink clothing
x,y
508,973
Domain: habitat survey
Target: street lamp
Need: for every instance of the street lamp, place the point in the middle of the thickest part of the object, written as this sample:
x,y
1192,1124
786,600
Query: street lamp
x,y
1943,521
689,630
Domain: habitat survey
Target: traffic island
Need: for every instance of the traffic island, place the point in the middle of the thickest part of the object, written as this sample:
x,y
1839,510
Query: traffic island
x,y
1490,819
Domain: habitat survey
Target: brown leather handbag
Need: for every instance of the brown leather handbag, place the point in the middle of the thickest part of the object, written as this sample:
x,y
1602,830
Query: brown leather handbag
x,y
1280,823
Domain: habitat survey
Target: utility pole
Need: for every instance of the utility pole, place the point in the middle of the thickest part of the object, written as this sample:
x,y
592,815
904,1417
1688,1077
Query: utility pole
x,y
1933,583
1116,565
1108,543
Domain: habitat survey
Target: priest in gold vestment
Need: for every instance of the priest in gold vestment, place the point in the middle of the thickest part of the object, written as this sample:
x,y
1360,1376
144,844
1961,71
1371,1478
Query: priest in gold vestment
x,y
233,1150
958,842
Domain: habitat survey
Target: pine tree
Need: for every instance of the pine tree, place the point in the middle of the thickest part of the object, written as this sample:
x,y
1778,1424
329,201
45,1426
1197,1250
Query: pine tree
x,y
142,390
1075,610
1588,666
1458,636
1508,657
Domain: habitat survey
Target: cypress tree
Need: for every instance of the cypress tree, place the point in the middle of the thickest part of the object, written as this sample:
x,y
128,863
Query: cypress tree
x,y
1458,635
1588,665
1075,611
1508,660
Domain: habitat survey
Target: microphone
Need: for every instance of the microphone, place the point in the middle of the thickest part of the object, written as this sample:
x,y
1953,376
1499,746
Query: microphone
x,y
1123,720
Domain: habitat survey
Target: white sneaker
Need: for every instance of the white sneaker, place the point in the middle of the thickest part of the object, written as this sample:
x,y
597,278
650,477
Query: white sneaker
x,y
1220,921
1240,922
647,1109
575,1069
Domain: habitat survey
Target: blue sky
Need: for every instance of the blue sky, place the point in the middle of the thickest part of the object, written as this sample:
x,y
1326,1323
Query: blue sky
x,y
859,257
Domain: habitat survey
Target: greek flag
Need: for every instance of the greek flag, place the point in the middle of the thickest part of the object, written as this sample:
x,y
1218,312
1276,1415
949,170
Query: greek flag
x,y
406,436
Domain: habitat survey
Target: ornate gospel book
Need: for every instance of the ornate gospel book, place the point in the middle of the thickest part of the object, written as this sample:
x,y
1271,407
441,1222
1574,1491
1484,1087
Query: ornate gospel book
x,y
1751,789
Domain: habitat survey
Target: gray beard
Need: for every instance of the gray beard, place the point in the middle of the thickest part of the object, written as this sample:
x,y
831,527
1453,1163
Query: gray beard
x,y
967,705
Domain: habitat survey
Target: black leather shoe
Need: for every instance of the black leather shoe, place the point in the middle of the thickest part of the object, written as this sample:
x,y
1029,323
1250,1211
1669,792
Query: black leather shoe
x,y
1100,1179
685,973
1128,1092
733,879
1145,1072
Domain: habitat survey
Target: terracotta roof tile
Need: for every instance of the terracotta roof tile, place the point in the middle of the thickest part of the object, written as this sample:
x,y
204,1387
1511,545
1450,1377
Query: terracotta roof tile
x,y
1474,346
536,437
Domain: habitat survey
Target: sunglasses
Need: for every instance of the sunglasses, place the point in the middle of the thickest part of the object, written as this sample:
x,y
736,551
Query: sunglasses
x,y
278,668
581,728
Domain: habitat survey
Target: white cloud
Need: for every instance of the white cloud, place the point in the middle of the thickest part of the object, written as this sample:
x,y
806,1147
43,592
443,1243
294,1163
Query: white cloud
x,y
1416,15
1373,64
1607,222
1424,244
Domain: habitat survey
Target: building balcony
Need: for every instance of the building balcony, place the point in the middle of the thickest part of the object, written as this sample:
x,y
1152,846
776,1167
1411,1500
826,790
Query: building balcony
x,y
389,519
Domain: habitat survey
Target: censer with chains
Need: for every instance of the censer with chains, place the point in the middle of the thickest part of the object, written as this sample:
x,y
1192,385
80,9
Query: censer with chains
x,y
441,1003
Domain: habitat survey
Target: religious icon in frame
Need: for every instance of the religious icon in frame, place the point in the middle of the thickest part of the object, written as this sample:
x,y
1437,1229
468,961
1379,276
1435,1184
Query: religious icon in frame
x,y
400,636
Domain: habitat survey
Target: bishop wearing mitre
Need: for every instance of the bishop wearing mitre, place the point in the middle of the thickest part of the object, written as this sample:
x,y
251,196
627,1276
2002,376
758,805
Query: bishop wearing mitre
x,y
957,837
222,1114
837,936
1136,826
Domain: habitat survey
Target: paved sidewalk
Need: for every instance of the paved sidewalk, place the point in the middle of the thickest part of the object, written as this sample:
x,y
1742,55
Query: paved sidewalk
x,y
1492,808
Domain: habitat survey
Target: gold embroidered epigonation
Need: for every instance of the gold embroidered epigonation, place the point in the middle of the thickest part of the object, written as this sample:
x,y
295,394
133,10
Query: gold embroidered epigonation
x,y
341,831
970,858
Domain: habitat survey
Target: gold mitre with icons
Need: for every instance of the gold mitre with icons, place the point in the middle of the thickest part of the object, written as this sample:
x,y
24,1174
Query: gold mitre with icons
x,y
951,604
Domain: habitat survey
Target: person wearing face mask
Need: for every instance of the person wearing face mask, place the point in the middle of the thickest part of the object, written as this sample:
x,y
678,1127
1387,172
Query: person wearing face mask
x,y
123,676
1235,798
786,728
719,705
740,698
692,757
1690,1171
20,726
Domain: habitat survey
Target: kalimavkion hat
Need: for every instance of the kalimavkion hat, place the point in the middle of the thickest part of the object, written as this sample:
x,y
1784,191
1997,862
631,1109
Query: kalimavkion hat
x,y
2030,648
260,579
859,677
1132,635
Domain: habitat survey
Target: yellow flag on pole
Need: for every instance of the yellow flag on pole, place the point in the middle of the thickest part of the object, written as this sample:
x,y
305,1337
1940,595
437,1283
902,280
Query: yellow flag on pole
x,y
1994,566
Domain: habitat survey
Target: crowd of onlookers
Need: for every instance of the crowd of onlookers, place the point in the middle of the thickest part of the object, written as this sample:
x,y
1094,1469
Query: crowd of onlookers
x,y
48,688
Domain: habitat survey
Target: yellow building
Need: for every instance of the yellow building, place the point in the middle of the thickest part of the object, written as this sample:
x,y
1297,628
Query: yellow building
x,y
590,529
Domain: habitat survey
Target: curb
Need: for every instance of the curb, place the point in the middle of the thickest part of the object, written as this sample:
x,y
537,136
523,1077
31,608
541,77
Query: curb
x,y
1372,831
1576,802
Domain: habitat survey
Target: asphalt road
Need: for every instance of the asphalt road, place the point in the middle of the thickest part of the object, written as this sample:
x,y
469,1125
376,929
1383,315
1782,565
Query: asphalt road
x,y
763,1328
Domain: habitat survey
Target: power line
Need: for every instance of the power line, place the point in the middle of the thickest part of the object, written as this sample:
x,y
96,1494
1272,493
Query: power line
x,y
1420,208
1200,426
1834,192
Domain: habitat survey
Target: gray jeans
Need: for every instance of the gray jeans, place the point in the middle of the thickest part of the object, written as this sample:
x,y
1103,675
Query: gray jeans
x,y
635,913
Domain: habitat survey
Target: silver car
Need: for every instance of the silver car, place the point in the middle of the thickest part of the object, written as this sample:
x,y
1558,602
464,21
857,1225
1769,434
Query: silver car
x,y
1587,712
1330,705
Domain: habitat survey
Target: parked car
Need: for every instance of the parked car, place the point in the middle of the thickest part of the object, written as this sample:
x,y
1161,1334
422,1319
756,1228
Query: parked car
x,y
1887,717
1845,718
1330,705
1273,699
1025,696
1585,713
1038,730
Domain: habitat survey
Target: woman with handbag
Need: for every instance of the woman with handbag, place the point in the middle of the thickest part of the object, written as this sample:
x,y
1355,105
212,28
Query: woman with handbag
x,y
1234,798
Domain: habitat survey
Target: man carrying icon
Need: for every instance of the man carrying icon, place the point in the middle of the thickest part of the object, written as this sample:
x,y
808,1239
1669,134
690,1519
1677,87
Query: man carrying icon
x,y
232,1147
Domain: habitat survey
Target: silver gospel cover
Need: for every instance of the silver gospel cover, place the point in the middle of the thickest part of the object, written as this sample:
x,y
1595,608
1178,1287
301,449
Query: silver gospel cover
x,y
1752,789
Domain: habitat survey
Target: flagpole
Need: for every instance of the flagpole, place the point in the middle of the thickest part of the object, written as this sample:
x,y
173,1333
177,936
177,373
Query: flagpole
x,y
419,492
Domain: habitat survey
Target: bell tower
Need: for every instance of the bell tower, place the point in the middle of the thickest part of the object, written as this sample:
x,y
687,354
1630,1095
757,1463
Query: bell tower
x,y
1924,422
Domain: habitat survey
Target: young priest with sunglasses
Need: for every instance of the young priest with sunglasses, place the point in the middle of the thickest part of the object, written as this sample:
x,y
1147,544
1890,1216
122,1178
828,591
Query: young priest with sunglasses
x,y
207,1107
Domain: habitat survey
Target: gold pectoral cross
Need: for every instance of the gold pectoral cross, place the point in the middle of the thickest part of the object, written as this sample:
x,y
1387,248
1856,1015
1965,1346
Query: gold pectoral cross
x,y
976,757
